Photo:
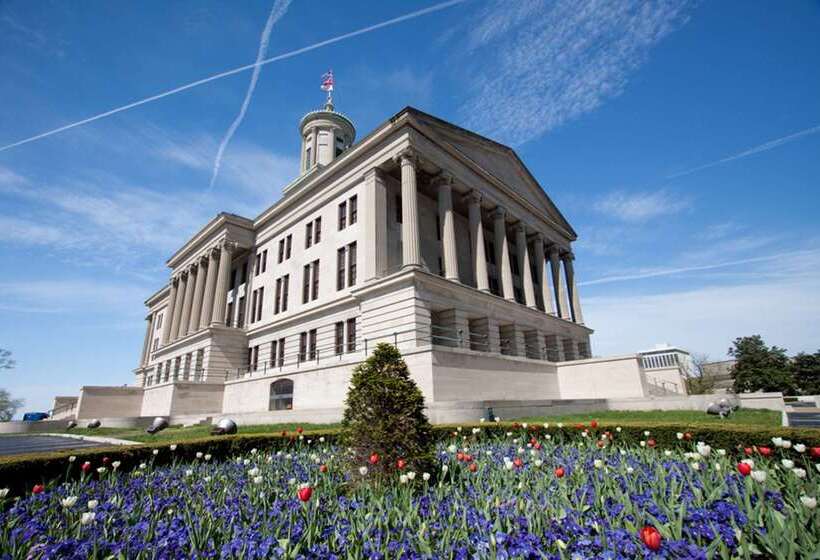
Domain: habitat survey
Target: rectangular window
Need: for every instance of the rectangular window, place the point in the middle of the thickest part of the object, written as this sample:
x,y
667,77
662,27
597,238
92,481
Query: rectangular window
x,y
340,337
398,209
351,335
306,283
159,321
288,244
253,306
155,345
259,304
285,285
250,358
351,264
312,344
342,215
229,316
233,280
257,268
255,357
273,345
317,230
281,354
240,321
302,346
308,161
315,290
354,209
308,235
264,260
277,300
341,255
281,251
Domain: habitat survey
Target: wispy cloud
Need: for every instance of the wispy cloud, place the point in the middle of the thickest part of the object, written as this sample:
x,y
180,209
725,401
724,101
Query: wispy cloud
x,y
280,7
765,147
641,206
536,65
238,70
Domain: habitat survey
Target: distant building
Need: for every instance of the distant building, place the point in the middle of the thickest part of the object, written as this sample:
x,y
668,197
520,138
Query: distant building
x,y
719,373
667,368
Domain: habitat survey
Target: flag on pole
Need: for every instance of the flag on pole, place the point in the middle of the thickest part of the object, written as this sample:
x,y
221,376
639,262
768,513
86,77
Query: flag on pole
x,y
327,81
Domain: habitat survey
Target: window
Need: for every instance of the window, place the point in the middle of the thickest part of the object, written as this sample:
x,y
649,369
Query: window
x,y
281,395
257,264
240,321
341,255
306,283
302,346
315,291
253,305
281,255
288,244
250,358
310,281
259,304
308,155
277,352
277,299
285,284
177,365
264,260
229,316
317,230
187,371
354,209
255,363
281,352
233,279
351,264
340,337
281,297
308,234
155,345
351,335
200,358
342,215
313,232
312,344
159,321
167,370
398,209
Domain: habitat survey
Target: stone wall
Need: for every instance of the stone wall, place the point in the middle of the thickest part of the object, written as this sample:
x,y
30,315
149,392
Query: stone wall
x,y
98,402
601,378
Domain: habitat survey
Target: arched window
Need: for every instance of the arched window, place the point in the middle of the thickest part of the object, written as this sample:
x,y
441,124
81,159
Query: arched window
x,y
281,395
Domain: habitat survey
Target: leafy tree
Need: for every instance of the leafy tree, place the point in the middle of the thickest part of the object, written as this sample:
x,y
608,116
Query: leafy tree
x,y
806,372
384,415
759,367
8,406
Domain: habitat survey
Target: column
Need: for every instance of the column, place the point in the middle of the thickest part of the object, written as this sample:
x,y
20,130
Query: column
x,y
146,345
210,289
169,313
448,227
482,281
221,297
181,277
540,271
411,244
572,287
502,255
524,266
187,303
558,284
199,288
374,215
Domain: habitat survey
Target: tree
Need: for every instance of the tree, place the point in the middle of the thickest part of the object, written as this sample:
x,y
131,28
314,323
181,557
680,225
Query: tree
x,y
697,383
384,419
759,367
8,405
5,359
806,372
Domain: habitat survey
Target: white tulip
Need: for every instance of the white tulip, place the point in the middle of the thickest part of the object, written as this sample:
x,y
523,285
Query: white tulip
x,y
253,451
618,429
817,466
87,517
291,481
101,470
481,420
363,470
695,466
598,463
452,448
799,473
759,476
72,458
622,451
173,447
546,425
425,476
799,447
668,453
207,456
321,439
560,424
257,480
643,443
93,504
246,462
199,454
403,479
253,472
788,464
777,441
524,425
679,435
411,475
787,444
718,467
189,472
808,502
721,452
547,437
444,468
4,492
143,466
749,462
629,470
69,502
646,433
704,450
538,462
115,465
155,451
207,479
497,419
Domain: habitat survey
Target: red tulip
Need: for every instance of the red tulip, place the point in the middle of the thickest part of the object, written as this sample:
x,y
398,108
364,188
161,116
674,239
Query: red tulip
x,y
748,450
536,445
38,489
473,467
459,456
687,436
518,462
374,458
323,469
516,425
106,460
86,468
593,424
400,464
651,443
744,468
533,441
814,452
305,493
468,458
284,433
580,426
299,430
559,472
651,538
600,443
765,451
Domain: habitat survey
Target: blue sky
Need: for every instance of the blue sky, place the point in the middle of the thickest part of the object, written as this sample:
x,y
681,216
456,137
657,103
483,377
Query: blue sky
x,y
680,139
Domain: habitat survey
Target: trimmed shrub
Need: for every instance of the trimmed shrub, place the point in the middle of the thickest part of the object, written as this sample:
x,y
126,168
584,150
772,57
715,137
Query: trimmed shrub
x,y
384,422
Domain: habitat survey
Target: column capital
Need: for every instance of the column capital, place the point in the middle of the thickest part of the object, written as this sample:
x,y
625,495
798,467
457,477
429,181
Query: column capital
x,y
407,156
443,179
555,252
568,256
499,213
539,237
203,258
193,266
520,228
229,246
473,197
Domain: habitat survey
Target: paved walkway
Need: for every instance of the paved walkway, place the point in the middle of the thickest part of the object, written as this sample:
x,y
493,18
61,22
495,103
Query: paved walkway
x,y
15,445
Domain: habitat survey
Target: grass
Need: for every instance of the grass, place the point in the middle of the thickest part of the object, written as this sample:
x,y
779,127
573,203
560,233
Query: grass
x,y
762,418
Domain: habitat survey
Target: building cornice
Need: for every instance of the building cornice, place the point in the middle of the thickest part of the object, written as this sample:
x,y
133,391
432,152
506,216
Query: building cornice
x,y
220,221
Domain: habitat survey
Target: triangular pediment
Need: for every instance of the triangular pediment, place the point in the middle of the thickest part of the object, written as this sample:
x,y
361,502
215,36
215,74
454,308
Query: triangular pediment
x,y
496,160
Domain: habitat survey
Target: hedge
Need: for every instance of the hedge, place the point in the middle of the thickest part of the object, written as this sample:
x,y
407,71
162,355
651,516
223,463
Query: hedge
x,y
20,472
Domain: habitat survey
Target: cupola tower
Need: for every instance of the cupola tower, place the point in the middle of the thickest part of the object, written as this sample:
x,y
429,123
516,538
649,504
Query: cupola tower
x,y
326,134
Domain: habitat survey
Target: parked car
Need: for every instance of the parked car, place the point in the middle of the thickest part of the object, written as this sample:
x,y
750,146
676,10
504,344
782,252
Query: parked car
x,y
34,416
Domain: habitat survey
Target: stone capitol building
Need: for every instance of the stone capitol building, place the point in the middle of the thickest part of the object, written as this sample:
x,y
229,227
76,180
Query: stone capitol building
x,y
421,234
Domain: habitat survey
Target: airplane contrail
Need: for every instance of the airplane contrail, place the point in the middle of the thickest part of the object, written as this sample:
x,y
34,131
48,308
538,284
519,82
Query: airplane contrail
x,y
279,9
237,70
751,151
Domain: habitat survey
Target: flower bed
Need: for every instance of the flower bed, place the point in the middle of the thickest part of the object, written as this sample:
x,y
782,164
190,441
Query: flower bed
x,y
498,492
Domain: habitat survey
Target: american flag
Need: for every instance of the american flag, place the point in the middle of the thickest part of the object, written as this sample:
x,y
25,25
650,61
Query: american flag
x,y
327,81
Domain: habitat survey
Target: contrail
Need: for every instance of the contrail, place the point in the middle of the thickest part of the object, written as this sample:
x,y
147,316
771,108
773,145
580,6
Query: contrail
x,y
751,151
290,54
671,271
276,13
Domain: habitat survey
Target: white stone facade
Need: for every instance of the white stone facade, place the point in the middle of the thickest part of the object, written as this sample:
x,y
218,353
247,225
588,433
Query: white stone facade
x,y
422,234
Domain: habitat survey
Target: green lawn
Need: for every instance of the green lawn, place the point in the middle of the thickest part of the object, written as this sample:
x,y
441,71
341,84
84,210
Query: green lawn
x,y
762,418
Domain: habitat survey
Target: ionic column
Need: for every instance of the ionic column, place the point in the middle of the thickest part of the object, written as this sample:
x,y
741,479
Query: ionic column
x,y
540,271
167,325
482,281
374,216
187,302
411,244
574,298
524,266
199,288
558,284
502,255
178,305
448,233
221,299
210,289
147,342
